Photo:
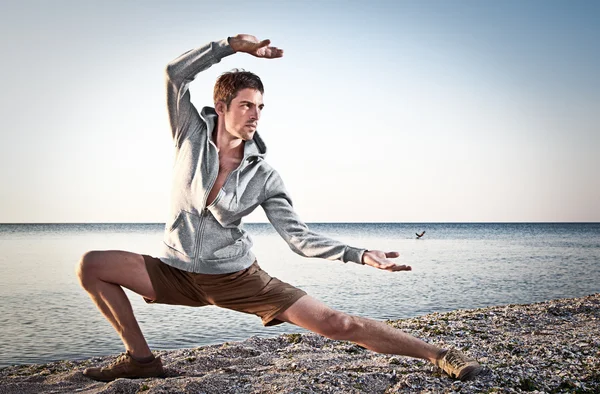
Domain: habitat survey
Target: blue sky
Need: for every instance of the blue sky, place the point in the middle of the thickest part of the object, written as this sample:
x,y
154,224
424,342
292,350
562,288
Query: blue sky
x,y
379,111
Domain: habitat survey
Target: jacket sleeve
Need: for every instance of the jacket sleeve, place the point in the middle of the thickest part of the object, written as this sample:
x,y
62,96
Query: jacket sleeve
x,y
280,212
179,73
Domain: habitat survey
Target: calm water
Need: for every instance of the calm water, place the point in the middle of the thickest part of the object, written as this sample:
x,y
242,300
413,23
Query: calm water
x,y
45,316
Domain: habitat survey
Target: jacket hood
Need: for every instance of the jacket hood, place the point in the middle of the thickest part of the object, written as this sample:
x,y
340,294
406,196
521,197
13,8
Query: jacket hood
x,y
254,148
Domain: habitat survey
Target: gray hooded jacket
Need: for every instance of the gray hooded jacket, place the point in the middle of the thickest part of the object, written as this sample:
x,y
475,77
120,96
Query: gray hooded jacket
x,y
209,239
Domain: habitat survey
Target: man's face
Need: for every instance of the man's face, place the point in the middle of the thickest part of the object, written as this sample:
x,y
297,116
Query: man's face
x,y
241,119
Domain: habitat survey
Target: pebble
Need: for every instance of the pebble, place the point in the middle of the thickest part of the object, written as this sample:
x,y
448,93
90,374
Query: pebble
x,y
552,346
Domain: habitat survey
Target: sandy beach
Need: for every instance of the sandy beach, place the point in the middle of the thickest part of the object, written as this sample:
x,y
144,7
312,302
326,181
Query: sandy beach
x,y
551,347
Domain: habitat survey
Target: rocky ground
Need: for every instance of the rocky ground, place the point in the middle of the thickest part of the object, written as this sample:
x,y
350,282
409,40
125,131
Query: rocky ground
x,y
549,347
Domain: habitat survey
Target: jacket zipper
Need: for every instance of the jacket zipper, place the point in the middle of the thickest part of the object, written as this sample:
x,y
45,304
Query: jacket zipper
x,y
204,214
219,194
201,233
198,251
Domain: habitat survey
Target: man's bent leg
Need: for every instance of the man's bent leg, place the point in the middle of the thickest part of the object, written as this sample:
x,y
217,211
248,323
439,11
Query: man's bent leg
x,y
101,274
377,336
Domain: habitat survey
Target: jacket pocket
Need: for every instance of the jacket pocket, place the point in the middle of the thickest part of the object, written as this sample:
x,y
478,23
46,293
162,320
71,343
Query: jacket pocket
x,y
221,243
233,250
182,234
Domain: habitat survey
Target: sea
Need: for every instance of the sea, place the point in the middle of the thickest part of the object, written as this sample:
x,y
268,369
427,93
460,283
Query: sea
x,y
45,315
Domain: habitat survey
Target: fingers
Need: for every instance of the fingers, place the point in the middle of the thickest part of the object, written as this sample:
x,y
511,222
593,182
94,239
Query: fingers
x,y
389,266
400,268
273,52
375,259
262,49
264,43
393,267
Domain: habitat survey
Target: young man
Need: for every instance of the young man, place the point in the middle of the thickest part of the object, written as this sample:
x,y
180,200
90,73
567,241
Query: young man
x,y
220,176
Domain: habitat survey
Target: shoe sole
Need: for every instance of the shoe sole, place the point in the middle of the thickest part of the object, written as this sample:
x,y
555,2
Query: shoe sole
x,y
470,373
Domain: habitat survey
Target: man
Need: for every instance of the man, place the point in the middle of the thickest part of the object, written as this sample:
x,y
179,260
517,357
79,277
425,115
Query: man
x,y
220,176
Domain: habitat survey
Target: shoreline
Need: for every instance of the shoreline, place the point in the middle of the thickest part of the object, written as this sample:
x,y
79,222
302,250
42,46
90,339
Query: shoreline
x,y
551,346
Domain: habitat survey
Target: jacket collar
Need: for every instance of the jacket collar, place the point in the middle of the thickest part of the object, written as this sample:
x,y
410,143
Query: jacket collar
x,y
254,148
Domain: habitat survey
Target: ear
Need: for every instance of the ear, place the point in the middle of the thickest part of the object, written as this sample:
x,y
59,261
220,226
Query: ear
x,y
221,108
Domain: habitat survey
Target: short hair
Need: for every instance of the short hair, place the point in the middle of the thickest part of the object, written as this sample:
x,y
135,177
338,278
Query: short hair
x,y
231,82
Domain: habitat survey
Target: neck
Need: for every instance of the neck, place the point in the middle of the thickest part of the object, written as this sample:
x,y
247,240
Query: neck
x,y
226,143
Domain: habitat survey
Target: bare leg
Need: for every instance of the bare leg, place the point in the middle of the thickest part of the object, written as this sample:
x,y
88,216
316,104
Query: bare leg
x,y
377,336
101,274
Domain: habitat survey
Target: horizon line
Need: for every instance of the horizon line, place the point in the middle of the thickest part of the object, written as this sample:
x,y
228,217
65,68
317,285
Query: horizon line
x,y
410,222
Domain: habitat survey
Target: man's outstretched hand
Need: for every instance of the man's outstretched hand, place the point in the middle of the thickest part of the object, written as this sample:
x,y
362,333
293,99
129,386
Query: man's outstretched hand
x,y
379,259
250,44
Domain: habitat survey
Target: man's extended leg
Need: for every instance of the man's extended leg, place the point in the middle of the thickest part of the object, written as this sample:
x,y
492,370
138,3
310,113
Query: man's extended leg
x,y
377,336
103,274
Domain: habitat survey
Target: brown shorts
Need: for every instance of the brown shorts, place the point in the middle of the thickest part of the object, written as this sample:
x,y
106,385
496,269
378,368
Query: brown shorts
x,y
250,291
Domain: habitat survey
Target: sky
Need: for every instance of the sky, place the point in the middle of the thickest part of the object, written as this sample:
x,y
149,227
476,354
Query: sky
x,y
399,111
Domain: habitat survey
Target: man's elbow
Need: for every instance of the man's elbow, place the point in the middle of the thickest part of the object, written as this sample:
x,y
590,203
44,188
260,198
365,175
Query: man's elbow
x,y
171,73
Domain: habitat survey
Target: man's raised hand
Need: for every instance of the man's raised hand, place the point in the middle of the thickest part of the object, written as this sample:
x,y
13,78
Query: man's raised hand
x,y
379,259
250,44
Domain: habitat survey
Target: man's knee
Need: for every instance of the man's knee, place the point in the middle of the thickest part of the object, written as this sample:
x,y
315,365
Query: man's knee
x,y
87,267
339,326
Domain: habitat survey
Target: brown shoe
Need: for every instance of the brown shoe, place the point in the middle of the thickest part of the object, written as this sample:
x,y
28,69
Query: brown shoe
x,y
458,366
126,367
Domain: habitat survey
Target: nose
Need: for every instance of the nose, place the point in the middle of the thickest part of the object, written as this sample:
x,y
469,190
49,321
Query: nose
x,y
255,115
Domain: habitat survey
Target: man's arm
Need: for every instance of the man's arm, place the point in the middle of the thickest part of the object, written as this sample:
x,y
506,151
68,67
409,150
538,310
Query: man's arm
x,y
281,214
300,239
179,74
181,71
